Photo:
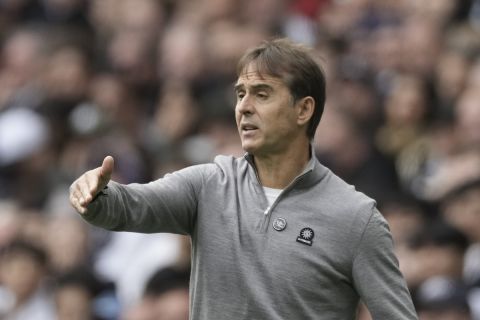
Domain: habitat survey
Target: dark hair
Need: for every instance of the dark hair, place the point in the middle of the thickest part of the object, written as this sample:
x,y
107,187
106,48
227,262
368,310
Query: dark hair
x,y
166,279
440,234
442,294
81,277
27,248
293,63
461,189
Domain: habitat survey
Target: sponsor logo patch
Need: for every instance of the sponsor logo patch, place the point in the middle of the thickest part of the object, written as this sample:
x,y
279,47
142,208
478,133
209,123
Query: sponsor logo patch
x,y
306,236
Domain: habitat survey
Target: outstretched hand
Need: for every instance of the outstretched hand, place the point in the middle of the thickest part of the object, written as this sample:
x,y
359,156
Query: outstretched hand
x,y
87,186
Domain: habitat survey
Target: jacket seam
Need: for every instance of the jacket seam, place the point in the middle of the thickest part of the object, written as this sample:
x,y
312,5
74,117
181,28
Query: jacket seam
x,y
356,250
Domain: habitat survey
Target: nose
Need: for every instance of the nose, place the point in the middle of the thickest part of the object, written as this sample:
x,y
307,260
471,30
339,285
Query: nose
x,y
245,105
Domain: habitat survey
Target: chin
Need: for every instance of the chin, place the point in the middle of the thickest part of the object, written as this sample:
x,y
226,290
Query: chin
x,y
249,148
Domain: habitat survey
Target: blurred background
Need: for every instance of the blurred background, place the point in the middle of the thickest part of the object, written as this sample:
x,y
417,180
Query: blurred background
x,y
150,82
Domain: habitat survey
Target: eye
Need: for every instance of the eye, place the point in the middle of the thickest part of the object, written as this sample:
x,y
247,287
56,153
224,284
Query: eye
x,y
240,95
262,95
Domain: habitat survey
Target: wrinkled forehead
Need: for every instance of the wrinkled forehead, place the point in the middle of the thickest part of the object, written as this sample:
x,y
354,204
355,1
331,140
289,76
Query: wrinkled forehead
x,y
255,70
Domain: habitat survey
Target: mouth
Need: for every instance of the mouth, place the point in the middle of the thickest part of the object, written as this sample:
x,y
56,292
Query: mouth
x,y
248,127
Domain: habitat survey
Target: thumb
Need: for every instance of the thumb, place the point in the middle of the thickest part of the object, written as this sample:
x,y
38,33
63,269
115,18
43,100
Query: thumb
x,y
106,169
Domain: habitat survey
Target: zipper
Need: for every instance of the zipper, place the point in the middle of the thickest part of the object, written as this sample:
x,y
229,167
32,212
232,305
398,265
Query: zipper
x,y
267,213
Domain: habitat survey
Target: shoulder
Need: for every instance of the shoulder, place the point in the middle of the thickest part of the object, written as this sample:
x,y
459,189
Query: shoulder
x,y
225,160
346,206
223,166
228,161
230,165
345,197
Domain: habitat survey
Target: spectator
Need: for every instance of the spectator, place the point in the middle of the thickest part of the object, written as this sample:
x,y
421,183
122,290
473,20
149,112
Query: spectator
x,y
22,275
165,297
438,250
74,294
440,298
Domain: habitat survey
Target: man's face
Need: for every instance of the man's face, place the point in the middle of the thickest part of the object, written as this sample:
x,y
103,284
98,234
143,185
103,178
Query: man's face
x,y
464,212
73,303
21,274
265,113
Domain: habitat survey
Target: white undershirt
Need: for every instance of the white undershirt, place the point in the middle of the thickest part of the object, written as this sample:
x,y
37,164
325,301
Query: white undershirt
x,y
271,194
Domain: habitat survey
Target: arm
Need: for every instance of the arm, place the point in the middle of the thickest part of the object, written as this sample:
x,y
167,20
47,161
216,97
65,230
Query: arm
x,y
376,275
165,205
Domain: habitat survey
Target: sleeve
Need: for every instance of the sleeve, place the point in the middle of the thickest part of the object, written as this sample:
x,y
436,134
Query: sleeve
x,y
376,274
168,204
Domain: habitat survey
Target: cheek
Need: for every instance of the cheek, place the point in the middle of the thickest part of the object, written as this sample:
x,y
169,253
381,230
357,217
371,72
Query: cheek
x,y
283,120
237,116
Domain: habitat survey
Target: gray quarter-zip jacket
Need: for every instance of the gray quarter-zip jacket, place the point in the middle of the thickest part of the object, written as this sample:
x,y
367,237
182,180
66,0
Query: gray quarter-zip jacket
x,y
313,254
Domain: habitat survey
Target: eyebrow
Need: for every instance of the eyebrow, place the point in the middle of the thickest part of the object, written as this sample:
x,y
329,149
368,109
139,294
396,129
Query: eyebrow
x,y
254,87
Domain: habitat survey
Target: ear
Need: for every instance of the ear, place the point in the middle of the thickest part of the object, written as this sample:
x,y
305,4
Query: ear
x,y
305,108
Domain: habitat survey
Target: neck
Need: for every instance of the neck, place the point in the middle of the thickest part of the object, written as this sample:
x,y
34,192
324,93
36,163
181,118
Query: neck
x,y
278,170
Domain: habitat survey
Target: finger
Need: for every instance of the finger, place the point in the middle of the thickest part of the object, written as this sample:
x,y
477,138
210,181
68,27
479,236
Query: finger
x,y
72,198
85,192
107,169
80,209
93,182
87,182
76,204
82,192
78,195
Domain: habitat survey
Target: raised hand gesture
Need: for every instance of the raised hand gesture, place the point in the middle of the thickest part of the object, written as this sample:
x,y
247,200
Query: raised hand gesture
x,y
88,185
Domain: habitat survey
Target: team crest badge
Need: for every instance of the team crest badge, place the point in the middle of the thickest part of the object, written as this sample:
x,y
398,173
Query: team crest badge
x,y
306,236
279,224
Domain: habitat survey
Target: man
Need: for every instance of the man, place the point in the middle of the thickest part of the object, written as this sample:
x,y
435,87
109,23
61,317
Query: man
x,y
165,297
275,235
23,269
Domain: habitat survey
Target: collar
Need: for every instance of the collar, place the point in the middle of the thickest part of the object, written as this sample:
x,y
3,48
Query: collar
x,y
313,172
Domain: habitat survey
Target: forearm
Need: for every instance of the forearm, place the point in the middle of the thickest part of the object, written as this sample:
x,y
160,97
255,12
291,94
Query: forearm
x,y
107,210
377,277
141,208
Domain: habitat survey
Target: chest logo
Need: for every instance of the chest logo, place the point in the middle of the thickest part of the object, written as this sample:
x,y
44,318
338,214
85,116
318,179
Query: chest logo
x,y
279,224
306,236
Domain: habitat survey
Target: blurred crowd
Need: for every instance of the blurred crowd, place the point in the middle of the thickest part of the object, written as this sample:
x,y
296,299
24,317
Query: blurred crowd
x,y
150,82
